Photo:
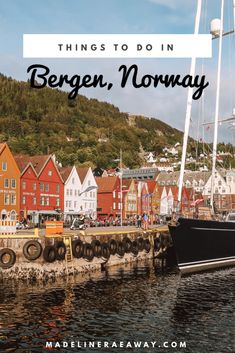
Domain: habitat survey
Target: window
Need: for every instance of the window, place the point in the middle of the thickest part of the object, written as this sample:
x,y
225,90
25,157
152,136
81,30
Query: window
x,y
6,183
24,200
4,166
13,199
47,201
72,180
75,192
66,204
67,192
49,172
23,185
34,200
85,205
13,183
85,194
70,204
42,201
6,199
41,187
75,204
90,194
89,182
71,192
94,194
58,189
114,205
114,194
78,192
119,206
219,182
13,215
57,201
47,187
34,186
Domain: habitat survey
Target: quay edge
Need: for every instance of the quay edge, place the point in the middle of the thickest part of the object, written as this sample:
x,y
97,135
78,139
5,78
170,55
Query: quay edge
x,y
157,242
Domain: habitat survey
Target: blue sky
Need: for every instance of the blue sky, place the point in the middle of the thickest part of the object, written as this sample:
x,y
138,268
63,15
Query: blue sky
x,y
123,16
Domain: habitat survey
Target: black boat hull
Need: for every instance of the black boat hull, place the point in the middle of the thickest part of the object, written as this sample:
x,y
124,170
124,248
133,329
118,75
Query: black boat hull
x,y
202,245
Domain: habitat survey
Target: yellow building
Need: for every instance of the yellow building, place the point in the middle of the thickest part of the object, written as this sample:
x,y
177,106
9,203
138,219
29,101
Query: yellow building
x,y
9,184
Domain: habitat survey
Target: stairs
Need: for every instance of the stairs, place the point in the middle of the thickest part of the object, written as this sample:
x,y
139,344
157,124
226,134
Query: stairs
x,y
68,244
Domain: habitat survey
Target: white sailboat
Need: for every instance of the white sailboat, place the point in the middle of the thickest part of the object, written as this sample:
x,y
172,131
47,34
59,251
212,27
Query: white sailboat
x,y
204,244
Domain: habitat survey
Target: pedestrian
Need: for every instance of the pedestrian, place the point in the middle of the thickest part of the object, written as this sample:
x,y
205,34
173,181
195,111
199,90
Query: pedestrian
x,y
145,221
138,221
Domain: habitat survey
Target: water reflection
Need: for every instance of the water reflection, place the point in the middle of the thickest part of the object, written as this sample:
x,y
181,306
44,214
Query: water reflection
x,y
121,304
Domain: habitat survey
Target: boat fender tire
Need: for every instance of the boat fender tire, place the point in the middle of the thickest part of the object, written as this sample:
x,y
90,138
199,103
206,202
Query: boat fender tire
x,y
49,253
60,250
135,248
78,248
36,246
112,246
140,242
12,258
157,244
127,244
105,251
97,248
88,254
120,249
147,245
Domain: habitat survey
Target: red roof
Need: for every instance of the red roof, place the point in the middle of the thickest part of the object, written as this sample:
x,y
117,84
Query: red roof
x,y
82,172
106,184
151,185
65,172
22,161
2,146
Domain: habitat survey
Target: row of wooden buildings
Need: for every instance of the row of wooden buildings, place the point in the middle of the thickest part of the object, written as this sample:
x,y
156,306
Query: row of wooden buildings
x,y
37,188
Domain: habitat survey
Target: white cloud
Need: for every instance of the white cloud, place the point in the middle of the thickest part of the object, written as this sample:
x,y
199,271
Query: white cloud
x,y
175,5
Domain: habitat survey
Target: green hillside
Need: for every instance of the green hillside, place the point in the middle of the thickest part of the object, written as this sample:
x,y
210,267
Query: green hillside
x,y
37,121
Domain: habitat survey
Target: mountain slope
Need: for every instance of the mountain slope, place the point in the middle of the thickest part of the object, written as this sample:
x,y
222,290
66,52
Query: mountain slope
x,y
37,121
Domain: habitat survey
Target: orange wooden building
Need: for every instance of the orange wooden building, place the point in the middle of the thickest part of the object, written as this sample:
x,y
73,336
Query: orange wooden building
x,y
9,184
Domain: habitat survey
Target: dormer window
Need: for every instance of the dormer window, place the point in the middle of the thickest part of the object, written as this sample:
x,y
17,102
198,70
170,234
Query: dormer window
x,y
4,166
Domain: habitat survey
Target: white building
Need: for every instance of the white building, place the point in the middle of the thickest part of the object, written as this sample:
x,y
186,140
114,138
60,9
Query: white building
x,y
88,195
72,190
220,186
230,178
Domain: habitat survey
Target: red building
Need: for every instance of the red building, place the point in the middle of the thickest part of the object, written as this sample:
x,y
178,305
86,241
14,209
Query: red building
x,y
108,197
42,188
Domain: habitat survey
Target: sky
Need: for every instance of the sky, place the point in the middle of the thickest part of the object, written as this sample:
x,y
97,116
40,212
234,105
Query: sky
x,y
127,16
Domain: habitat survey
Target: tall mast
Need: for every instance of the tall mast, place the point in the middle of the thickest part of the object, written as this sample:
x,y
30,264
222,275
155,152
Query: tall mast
x,y
189,107
121,195
215,141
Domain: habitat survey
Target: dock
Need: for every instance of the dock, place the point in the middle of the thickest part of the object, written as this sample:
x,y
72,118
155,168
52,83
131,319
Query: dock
x,y
39,254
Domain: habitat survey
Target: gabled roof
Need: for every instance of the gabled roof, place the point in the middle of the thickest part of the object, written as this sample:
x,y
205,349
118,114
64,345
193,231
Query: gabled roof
x,y
39,162
106,184
22,161
2,146
65,172
151,185
82,172
126,183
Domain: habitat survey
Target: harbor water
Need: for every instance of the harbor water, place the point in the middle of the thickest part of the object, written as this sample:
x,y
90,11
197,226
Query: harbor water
x,y
121,308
